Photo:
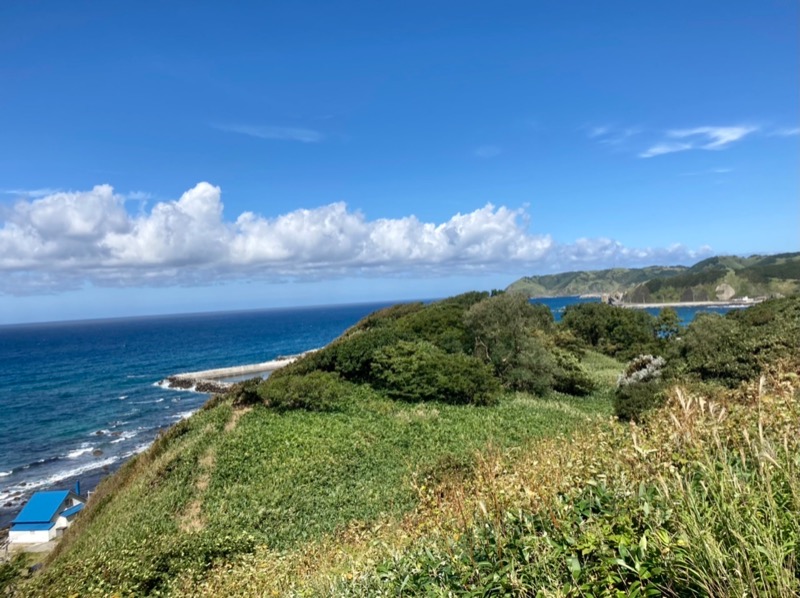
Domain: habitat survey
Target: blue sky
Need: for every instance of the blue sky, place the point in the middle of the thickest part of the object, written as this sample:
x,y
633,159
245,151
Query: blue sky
x,y
195,156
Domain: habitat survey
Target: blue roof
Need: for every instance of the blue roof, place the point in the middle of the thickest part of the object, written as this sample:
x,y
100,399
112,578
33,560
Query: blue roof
x,y
72,510
42,507
31,527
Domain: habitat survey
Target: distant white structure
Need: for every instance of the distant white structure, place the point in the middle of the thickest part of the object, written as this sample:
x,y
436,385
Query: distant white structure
x,y
45,517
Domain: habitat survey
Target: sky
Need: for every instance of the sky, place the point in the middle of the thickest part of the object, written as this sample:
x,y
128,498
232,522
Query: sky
x,y
201,156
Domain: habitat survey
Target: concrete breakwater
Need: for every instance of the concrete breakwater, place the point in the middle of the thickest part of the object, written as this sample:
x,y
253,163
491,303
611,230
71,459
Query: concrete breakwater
x,y
213,381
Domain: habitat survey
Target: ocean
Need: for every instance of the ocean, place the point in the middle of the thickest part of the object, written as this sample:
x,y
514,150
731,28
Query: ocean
x,y
79,398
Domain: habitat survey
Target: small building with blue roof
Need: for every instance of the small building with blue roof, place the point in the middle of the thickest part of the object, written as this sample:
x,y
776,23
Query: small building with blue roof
x,y
45,517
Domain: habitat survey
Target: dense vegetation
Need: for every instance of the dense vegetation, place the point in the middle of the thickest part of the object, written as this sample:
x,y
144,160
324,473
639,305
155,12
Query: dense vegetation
x,y
751,276
465,448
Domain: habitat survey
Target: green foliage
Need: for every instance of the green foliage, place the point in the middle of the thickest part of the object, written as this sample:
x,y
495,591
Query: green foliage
x,y
570,377
718,348
504,328
615,331
640,388
245,392
315,391
701,502
420,371
633,401
441,324
12,572
668,324
351,356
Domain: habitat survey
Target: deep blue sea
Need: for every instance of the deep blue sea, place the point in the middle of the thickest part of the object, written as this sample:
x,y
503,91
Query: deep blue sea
x,y
79,398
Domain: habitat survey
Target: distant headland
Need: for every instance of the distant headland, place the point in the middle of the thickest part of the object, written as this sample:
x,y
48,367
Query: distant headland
x,y
721,280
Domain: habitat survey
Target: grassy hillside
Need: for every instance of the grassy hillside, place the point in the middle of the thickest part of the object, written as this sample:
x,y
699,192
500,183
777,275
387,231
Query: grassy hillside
x,y
748,276
584,282
382,466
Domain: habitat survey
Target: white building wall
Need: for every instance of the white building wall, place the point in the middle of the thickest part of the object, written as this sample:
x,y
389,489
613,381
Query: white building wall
x,y
37,537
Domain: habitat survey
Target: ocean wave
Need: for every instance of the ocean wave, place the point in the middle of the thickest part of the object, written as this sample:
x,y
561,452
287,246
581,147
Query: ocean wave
x,y
127,435
55,478
5,474
184,415
139,449
84,449
123,397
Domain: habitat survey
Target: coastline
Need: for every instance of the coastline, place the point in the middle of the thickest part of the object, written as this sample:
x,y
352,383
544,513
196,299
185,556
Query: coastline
x,y
219,380
657,305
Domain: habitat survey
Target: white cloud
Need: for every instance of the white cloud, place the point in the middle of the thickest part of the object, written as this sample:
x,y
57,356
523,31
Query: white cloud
x,y
271,132
665,148
706,138
65,240
612,134
30,193
785,132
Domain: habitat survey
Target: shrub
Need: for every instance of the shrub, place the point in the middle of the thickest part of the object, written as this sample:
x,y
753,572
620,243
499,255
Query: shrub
x,y
639,387
420,371
315,391
615,331
720,349
570,377
507,333
246,392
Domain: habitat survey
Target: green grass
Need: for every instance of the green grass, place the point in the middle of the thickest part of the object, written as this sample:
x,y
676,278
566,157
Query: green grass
x,y
282,480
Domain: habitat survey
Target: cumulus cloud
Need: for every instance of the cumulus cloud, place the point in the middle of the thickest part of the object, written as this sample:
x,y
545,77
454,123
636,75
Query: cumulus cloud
x,y
67,239
705,138
271,132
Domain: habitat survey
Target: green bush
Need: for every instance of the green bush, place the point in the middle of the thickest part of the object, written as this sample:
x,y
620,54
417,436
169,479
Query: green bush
x,y
639,387
420,371
509,334
569,375
315,391
631,402
246,392
615,331
720,349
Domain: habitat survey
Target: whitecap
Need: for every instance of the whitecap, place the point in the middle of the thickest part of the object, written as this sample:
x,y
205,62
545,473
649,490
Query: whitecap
x,y
84,449
127,435
139,449
5,474
57,477
184,414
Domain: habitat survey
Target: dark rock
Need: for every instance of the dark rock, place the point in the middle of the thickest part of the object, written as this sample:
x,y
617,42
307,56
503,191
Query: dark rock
x,y
96,453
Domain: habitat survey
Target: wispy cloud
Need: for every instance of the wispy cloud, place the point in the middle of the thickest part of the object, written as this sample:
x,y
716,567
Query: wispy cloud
x,y
272,132
709,171
612,134
65,240
487,151
703,138
785,132
30,193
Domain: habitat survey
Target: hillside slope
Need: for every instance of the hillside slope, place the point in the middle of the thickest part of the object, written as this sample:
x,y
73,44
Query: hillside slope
x,y
753,276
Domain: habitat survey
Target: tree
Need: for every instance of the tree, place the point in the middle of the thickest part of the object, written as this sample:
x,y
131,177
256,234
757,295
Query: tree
x,y
668,324
506,330
421,371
